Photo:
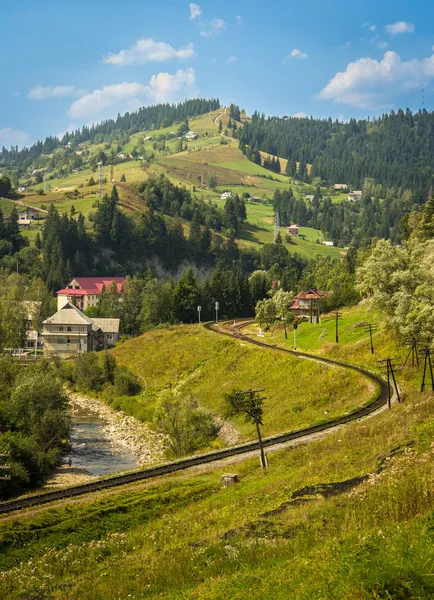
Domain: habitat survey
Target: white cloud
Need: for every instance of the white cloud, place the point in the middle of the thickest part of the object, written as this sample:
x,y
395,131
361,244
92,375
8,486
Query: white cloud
x,y
296,53
195,11
41,92
299,115
212,29
98,100
147,50
370,83
71,128
400,27
162,87
232,59
13,137
383,45
168,88
15,94
239,20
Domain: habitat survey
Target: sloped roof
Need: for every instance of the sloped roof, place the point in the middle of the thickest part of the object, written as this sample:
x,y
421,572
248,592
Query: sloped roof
x,y
108,325
92,285
70,315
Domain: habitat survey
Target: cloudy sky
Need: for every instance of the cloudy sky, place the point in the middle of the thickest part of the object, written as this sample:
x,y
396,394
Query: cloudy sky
x,y
65,66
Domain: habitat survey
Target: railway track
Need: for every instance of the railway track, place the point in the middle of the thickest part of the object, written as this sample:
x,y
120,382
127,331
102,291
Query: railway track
x,y
185,463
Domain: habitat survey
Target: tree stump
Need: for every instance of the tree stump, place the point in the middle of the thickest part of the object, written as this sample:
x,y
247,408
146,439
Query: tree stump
x,y
229,479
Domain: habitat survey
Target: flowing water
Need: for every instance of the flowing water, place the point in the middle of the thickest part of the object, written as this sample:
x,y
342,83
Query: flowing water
x,y
92,450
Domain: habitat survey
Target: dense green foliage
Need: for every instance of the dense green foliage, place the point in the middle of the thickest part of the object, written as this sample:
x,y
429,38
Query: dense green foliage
x,y
395,149
34,423
146,118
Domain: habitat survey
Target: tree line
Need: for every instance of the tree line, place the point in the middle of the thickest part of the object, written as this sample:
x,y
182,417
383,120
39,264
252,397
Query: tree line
x,y
144,119
395,149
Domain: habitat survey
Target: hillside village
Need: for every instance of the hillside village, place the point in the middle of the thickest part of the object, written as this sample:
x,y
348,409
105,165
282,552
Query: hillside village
x,y
216,362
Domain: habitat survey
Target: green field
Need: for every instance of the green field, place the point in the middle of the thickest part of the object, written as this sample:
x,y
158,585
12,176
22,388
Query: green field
x,y
348,516
206,365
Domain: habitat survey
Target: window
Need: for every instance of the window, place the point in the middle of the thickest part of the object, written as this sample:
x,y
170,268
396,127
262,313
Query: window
x,y
60,341
69,329
68,341
61,328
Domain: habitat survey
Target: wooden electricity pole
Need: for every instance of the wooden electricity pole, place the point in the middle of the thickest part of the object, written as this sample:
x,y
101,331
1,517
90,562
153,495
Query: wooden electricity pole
x,y
412,343
390,369
369,329
338,316
427,362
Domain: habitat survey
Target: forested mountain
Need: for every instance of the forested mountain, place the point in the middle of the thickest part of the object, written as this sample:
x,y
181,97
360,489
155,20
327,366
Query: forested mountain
x,y
146,118
396,149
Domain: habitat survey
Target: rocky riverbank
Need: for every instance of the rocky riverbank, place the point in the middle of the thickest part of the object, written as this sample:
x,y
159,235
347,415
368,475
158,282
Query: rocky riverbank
x,y
147,445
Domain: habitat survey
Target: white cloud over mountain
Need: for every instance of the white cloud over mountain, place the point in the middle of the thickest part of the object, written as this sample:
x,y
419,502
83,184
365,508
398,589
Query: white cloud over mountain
x,y
371,83
162,87
13,137
195,10
148,50
41,92
400,27
213,28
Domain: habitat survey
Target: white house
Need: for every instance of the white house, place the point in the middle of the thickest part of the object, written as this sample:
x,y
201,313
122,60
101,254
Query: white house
x,y
309,197
191,135
340,186
353,196
328,243
226,195
29,214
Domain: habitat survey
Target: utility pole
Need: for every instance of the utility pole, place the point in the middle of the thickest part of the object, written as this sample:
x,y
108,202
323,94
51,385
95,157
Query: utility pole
x,y
390,370
199,308
4,469
338,316
412,343
427,362
100,177
369,329
253,407
217,306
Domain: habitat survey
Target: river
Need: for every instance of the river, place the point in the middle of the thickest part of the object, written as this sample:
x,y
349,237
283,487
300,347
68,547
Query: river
x,y
91,448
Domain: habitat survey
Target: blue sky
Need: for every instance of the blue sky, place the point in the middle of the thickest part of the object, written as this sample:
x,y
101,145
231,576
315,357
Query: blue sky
x,y
64,64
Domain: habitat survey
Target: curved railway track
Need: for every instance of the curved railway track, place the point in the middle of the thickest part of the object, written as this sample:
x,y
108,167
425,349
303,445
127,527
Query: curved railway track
x,y
185,463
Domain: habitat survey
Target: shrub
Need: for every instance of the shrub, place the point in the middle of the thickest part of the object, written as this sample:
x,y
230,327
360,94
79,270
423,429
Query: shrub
x,y
88,373
125,382
187,425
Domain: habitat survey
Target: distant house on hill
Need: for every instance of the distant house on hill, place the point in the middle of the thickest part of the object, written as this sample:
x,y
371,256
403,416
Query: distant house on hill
x,y
86,290
70,331
29,214
254,199
309,197
340,186
191,135
294,230
353,196
226,195
306,305
328,243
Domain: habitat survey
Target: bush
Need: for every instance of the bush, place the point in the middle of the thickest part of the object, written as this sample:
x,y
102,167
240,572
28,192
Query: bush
x,y
125,383
187,425
88,373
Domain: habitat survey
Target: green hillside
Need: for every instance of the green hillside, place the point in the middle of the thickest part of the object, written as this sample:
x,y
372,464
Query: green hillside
x,y
202,363
205,156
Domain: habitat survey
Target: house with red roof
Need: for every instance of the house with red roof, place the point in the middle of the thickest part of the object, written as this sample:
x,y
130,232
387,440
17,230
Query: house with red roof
x,y
86,290
306,305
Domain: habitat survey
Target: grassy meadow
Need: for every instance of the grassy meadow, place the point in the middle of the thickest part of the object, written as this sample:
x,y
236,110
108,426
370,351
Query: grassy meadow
x,y
349,516
207,365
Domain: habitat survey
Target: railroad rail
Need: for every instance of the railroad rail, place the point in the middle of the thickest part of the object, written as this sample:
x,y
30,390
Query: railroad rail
x,y
209,457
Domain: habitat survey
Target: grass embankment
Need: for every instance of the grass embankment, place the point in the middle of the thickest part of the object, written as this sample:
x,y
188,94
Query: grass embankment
x,y
354,344
194,360
267,537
